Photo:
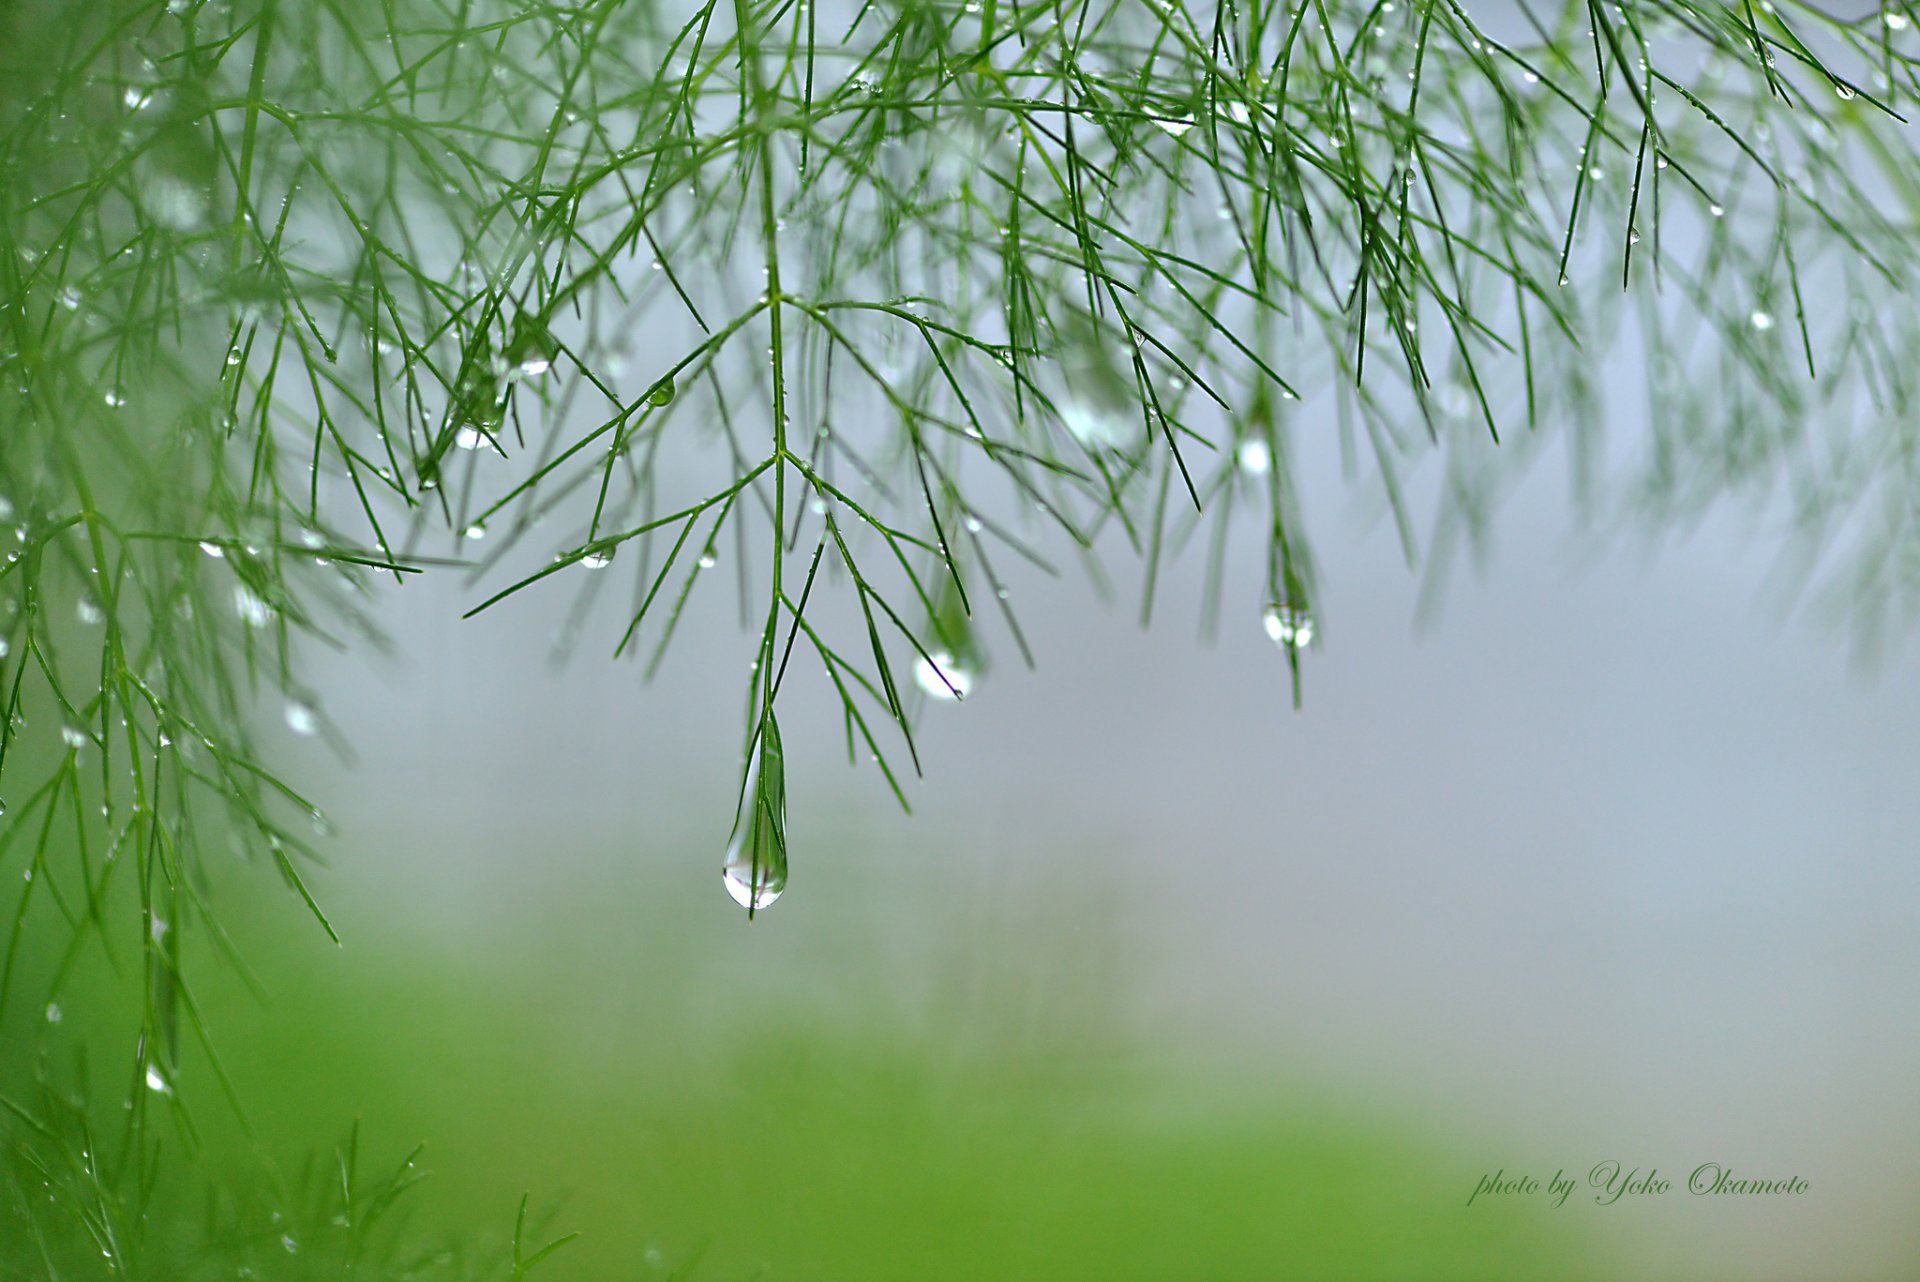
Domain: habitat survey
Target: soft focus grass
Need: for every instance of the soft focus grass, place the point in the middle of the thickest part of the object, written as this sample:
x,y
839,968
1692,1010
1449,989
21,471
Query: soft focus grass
x,y
798,1100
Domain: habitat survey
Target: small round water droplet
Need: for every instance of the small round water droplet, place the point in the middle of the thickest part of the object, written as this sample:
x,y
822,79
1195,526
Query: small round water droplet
x,y
1254,457
598,559
301,717
707,561
662,393
476,531
287,1244
470,438
1761,320
114,400
156,1083
73,736
1717,210
944,677
1844,91
1288,627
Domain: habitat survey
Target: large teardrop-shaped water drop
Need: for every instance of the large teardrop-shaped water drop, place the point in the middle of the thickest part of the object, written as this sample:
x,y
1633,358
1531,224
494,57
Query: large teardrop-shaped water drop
x,y
755,869
753,884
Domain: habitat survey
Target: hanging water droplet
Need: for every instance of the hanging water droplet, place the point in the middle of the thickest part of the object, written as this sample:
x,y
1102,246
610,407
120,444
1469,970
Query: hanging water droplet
x,y
54,1013
1897,21
707,561
476,531
755,868
1844,91
1633,238
89,610
1099,405
973,525
301,717
1717,210
1288,626
253,611
469,438
1254,457
114,400
73,736
155,1082
213,550
1761,320
598,559
70,298
1175,127
661,394
943,677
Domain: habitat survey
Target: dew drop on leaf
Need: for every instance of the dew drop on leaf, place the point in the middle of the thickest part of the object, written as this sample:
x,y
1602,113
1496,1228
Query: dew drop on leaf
x,y
755,868
661,394
943,677
1288,626
301,717
253,611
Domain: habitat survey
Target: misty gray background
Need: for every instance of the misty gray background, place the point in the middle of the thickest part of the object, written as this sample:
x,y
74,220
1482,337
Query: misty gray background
x,y
1608,861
